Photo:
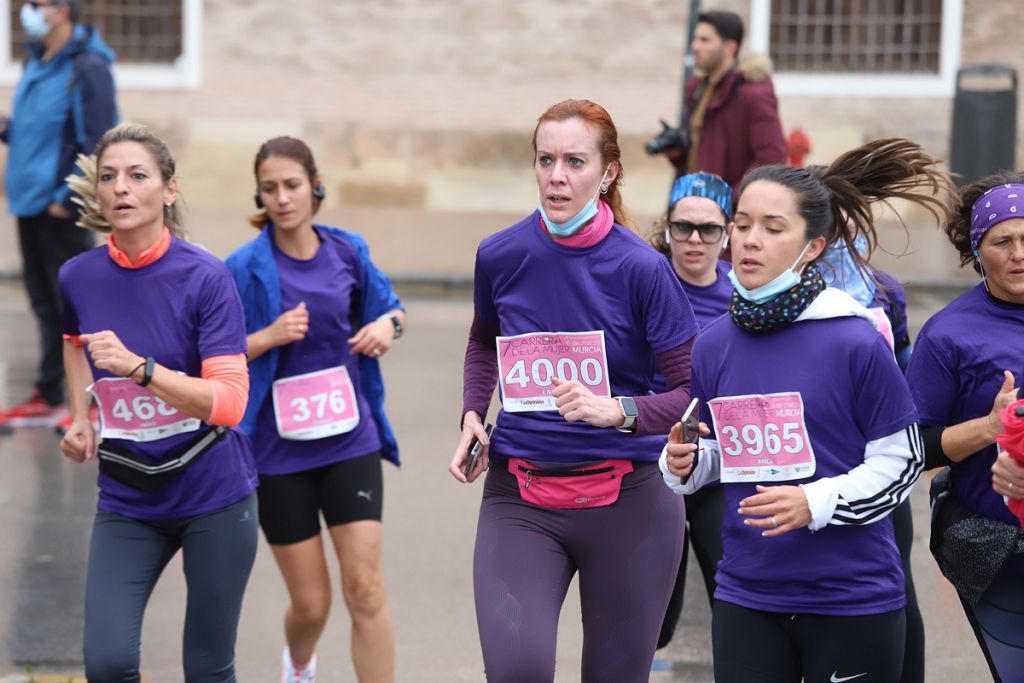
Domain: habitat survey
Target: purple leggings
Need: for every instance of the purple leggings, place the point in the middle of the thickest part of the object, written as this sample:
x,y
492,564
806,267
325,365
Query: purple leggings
x,y
626,553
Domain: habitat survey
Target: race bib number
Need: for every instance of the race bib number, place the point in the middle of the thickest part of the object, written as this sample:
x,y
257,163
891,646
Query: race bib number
x,y
128,411
883,325
762,438
527,363
315,405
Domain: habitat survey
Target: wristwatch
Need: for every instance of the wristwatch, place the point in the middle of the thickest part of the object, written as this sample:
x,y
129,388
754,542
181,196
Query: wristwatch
x,y
394,321
628,407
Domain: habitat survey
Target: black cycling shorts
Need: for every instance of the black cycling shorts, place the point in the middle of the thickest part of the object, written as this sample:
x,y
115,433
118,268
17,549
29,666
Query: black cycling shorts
x,y
344,492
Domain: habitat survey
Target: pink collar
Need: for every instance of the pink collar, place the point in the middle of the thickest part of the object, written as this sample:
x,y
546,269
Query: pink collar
x,y
148,255
592,233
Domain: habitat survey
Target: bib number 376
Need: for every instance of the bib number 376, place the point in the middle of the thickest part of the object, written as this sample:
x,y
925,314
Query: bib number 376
x,y
528,364
315,405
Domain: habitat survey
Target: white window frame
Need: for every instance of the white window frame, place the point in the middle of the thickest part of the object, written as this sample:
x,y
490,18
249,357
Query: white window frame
x,y
938,85
184,74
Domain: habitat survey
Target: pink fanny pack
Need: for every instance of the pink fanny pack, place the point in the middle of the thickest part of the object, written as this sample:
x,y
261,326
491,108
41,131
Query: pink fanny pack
x,y
591,486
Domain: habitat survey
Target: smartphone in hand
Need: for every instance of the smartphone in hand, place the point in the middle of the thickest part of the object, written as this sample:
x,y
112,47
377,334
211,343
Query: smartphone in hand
x,y
690,431
475,449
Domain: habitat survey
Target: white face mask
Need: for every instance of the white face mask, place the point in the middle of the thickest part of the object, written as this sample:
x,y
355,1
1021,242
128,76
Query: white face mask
x,y
788,279
33,21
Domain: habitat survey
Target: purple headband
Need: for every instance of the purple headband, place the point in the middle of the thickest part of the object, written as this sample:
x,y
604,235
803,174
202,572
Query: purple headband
x,y
998,204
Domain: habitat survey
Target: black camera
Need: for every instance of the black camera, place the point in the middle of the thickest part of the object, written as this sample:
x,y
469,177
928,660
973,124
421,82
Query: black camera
x,y
668,138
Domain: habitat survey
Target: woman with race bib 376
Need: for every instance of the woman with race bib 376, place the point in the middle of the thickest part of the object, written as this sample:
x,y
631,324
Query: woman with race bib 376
x,y
815,436
319,315
157,322
572,312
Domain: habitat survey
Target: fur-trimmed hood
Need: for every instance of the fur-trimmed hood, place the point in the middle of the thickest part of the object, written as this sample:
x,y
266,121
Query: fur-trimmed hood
x,y
755,67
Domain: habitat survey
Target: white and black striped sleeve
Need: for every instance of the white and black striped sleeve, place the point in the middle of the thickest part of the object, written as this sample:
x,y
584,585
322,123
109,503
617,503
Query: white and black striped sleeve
x,y
873,489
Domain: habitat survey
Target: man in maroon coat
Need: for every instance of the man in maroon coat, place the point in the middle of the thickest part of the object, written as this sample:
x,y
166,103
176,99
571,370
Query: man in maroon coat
x,y
733,116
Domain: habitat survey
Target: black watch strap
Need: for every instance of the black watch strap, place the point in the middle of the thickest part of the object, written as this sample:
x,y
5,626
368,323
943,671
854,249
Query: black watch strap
x,y
147,373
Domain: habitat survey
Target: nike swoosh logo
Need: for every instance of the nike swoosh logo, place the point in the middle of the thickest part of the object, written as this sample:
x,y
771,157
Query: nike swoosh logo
x,y
834,678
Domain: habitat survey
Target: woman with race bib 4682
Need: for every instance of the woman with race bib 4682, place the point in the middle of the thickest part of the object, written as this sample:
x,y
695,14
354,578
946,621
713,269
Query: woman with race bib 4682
x,y
319,315
157,322
572,313
815,436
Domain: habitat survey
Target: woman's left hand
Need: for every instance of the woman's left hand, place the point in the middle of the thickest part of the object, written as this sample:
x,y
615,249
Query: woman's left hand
x,y
374,339
108,353
1008,477
778,509
577,403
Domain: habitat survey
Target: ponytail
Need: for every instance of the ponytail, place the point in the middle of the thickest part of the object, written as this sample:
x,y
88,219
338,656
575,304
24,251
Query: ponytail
x,y
835,200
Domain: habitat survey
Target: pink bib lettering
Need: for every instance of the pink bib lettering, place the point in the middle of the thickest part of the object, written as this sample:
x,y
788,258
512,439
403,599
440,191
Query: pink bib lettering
x,y
128,411
528,362
315,405
762,437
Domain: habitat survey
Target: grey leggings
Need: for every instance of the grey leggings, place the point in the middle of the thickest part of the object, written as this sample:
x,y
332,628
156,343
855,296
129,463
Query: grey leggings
x,y
126,558
626,554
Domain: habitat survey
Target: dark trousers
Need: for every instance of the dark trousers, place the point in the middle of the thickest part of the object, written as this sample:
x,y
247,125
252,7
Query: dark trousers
x,y
46,243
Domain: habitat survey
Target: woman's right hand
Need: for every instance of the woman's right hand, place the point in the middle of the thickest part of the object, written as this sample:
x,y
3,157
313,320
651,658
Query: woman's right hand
x,y
290,326
472,426
79,443
679,455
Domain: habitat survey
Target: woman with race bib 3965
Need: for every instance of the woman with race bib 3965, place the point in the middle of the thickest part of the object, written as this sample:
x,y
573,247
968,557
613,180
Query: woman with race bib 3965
x,y
319,315
572,312
157,322
815,436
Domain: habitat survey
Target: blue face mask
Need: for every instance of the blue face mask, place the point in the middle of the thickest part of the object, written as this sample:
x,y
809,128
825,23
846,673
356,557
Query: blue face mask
x,y
843,272
34,22
574,224
766,292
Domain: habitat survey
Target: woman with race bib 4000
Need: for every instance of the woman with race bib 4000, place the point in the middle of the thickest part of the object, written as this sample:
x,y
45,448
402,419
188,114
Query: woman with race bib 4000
x,y
572,312
158,323
319,315
815,435
965,372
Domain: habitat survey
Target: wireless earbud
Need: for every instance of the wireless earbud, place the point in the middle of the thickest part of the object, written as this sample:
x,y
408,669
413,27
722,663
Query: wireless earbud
x,y
319,191
259,200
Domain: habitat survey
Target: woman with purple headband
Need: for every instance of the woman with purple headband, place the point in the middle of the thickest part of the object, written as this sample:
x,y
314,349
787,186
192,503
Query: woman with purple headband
x,y
966,368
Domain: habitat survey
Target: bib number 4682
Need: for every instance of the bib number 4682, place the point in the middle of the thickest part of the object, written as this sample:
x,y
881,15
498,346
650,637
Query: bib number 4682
x,y
141,407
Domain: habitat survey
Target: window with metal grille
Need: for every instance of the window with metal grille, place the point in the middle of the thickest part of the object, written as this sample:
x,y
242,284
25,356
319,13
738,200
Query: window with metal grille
x,y
139,31
856,36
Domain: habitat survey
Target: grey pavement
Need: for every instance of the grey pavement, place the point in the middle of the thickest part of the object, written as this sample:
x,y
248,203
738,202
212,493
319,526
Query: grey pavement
x,y
47,504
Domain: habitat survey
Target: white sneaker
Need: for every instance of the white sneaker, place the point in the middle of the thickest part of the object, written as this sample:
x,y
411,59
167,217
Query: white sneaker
x,y
292,674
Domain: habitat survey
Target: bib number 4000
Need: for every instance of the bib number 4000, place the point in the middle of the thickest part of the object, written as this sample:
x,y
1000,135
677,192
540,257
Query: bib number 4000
x,y
542,370
142,407
335,400
751,439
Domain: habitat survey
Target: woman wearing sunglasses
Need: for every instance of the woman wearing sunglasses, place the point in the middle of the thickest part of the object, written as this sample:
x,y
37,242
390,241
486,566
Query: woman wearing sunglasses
x,y
692,236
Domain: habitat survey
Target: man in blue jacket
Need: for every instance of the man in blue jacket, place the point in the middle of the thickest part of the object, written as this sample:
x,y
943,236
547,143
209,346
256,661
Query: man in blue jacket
x,y
64,102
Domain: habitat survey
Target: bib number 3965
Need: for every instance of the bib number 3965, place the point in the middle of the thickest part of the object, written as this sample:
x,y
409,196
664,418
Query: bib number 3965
x,y
128,411
528,364
762,437
315,405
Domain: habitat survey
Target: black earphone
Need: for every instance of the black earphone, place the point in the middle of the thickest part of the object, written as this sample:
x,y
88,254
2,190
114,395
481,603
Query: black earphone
x,y
319,191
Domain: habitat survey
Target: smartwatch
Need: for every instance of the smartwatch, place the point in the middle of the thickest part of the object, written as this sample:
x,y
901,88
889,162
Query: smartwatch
x,y
394,321
147,373
628,407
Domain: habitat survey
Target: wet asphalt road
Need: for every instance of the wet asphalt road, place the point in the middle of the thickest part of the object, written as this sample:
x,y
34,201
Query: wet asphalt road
x,y
46,508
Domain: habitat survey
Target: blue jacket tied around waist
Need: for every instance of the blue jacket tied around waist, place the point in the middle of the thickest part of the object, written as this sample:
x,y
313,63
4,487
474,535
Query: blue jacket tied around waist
x,y
259,286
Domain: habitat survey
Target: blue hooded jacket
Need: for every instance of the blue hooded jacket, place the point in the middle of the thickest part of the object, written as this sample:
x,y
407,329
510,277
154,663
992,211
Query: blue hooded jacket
x,y
259,286
61,108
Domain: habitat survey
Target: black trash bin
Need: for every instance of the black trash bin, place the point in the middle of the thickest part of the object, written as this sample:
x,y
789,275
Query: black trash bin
x,y
984,122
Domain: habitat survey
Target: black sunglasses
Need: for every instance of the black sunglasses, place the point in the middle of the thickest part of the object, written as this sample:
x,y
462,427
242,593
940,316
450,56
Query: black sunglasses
x,y
710,233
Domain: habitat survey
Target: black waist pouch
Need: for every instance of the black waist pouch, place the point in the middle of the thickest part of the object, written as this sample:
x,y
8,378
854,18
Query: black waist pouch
x,y
149,476
970,549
